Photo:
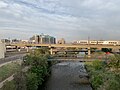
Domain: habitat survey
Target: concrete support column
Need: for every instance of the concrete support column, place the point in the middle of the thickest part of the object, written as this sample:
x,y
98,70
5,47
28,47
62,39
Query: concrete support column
x,y
27,48
2,50
18,49
89,52
51,51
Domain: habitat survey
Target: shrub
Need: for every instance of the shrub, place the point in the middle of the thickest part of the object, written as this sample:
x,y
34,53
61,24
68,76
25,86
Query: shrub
x,y
32,82
102,77
9,85
112,82
20,80
96,79
114,62
97,65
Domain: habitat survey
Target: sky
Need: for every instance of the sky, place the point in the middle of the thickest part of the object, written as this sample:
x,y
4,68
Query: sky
x,y
69,19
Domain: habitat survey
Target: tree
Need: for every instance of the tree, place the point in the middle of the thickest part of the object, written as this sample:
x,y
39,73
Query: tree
x,y
106,49
37,61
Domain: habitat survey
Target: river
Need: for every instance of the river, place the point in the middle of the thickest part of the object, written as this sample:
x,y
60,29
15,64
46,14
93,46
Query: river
x,y
68,76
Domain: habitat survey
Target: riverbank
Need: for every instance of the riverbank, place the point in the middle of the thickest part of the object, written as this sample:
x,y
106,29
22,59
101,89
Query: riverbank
x,y
105,76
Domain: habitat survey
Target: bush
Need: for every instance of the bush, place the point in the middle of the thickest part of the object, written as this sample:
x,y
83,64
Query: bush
x,y
111,83
20,80
102,77
32,82
97,65
114,62
9,85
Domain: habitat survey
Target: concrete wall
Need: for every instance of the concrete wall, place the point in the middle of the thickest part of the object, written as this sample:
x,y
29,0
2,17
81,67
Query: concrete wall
x,y
2,50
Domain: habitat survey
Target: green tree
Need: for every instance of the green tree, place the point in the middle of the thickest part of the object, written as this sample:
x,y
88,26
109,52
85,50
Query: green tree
x,y
40,67
106,49
37,61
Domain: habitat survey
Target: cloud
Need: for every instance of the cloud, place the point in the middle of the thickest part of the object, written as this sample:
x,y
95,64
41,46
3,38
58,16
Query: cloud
x,y
3,5
70,19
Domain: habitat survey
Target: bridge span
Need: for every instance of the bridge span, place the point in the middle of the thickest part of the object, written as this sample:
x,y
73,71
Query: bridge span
x,y
66,45
51,46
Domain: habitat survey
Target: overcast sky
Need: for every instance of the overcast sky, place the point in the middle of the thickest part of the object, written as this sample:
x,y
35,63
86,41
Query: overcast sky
x,y
69,19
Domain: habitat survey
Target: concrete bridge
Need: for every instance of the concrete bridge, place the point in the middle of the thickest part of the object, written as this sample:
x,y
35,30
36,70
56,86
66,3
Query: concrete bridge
x,y
66,45
51,46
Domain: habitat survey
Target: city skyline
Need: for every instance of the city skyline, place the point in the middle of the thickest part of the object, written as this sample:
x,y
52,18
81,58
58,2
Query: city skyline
x,y
72,20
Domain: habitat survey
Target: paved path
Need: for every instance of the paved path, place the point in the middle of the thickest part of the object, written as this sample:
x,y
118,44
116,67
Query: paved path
x,y
12,58
68,76
17,60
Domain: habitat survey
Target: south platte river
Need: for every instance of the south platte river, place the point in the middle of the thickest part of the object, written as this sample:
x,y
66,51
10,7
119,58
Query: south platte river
x,y
68,76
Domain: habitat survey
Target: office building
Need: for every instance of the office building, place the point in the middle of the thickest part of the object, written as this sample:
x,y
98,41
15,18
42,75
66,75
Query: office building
x,y
43,39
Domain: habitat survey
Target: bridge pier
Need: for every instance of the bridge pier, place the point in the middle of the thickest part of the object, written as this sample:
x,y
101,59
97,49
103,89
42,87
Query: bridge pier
x,y
27,49
89,52
51,51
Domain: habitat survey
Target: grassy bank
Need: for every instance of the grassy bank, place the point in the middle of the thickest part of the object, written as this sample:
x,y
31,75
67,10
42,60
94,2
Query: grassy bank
x,y
8,69
105,75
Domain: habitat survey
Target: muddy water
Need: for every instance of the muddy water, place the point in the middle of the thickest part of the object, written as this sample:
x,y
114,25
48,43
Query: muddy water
x,y
68,76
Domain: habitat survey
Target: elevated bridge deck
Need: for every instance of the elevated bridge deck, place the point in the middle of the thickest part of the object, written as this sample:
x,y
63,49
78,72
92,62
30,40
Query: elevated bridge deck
x,y
67,45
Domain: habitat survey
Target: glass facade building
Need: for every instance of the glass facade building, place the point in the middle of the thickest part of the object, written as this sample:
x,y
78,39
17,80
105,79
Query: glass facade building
x,y
43,39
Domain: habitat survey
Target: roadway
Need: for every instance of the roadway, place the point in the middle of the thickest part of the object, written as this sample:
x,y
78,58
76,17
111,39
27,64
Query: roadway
x,y
12,58
67,45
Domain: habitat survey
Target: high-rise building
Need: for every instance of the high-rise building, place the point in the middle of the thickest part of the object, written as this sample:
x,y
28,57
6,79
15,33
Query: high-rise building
x,y
43,39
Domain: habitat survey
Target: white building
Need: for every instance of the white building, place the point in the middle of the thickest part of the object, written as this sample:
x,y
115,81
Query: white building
x,y
2,50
